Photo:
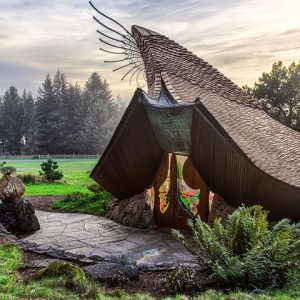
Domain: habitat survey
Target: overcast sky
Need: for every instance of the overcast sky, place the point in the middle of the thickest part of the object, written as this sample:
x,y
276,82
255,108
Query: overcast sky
x,y
241,38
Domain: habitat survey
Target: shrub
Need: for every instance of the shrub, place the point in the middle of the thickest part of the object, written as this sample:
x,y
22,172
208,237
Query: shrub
x,y
245,252
30,178
73,277
92,203
50,171
180,280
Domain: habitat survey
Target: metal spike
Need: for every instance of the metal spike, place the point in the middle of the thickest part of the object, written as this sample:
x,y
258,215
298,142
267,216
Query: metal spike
x,y
109,44
113,61
122,67
129,71
111,51
122,35
133,74
102,14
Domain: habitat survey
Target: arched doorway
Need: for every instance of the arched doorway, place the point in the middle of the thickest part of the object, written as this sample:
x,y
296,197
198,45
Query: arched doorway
x,y
179,193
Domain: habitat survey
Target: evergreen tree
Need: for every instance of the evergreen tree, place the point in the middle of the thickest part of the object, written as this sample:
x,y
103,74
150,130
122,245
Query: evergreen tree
x,y
101,115
72,119
12,121
60,90
47,118
29,123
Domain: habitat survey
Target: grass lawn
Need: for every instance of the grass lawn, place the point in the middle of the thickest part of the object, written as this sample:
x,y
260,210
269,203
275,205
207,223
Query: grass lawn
x,y
76,175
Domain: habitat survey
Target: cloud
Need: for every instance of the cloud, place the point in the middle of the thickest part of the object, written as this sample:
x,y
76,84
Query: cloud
x,y
241,38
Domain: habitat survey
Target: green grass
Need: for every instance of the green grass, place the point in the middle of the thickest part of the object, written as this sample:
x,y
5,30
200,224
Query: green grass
x,y
76,176
52,286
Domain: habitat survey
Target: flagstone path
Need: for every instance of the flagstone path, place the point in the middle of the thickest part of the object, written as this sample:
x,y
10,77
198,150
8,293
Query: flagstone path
x,y
100,239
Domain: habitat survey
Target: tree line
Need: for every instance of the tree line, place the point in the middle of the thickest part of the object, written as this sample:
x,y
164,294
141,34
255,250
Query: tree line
x,y
63,119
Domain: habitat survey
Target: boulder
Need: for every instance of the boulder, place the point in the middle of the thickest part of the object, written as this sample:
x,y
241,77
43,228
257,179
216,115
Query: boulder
x,y
132,212
111,272
219,209
25,216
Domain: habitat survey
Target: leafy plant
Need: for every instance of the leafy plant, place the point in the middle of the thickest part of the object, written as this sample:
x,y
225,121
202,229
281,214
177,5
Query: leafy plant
x,y
180,280
245,252
92,203
50,171
30,178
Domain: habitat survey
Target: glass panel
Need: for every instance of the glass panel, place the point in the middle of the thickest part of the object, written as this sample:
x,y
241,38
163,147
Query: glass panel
x,y
164,191
188,198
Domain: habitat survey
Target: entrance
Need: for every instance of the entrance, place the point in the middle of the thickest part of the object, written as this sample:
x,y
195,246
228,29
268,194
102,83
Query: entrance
x,y
179,193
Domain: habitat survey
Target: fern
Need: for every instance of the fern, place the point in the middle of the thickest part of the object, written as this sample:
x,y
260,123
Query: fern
x,y
244,251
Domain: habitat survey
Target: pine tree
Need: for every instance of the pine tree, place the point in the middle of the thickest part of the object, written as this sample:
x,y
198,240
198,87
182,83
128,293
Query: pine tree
x,y
29,123
72,119
101,114
12,121
60,89
47,118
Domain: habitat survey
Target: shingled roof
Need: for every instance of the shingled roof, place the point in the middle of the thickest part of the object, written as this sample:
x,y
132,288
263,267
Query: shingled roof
x,y
241,152
270,145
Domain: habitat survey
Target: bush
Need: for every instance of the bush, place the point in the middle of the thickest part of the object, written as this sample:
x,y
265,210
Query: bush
x,y
30,178
244,252
73,277
92,203
50,171
180,280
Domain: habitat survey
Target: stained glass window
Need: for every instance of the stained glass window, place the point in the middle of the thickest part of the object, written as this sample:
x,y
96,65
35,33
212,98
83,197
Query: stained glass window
x,y
165,192
188,198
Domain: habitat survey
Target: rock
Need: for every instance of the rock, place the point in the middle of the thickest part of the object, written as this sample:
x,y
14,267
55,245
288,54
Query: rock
x,y
11,188
219,209
110,272
25,215
132,212
7,217
42,263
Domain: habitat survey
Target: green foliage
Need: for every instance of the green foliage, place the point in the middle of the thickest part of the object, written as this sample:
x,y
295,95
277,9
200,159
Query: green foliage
x,y
30,178
91,203
245,252
73,277
279,93
50,171
180,280
2,164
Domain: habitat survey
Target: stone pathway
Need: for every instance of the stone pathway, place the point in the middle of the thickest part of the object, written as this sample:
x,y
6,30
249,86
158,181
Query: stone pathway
x,y
99,239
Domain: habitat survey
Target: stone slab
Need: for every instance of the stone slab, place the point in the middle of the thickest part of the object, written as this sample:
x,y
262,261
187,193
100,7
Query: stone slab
x,y
99,239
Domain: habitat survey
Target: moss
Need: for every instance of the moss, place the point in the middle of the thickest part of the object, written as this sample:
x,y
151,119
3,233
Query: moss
x,y
72,276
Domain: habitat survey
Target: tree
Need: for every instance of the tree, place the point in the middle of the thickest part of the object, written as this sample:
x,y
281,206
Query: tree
x,y
279,93
50,171
100,115
72,119
48,134
29,123
12,121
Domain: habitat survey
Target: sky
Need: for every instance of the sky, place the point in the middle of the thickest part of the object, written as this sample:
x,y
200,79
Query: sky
x,y
241,38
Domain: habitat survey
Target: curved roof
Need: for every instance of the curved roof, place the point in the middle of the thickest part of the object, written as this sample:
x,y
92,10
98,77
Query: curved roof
x,y
270,145
241,152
